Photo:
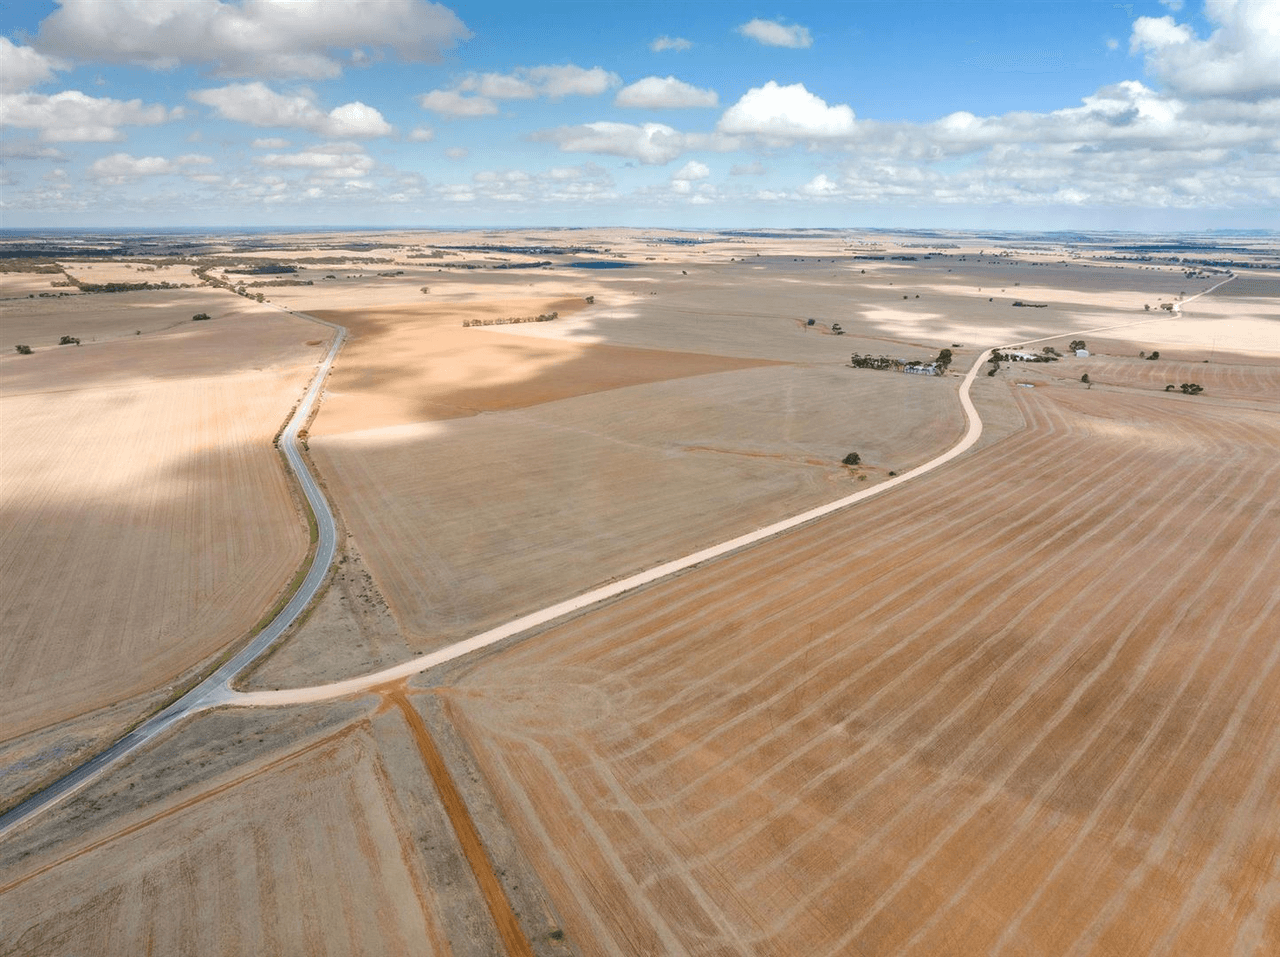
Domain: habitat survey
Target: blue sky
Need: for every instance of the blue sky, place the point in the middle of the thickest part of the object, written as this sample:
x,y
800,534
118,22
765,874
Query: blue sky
x,y
1076,115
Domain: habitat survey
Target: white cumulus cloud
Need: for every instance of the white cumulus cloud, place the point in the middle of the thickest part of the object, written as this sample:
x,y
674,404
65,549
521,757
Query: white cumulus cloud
x,y
692,170
774,34
820,187
250,38
1240,58
24,67
786,112
664,93
453,103
258,105
651,143
558,81
422,134
498,86
474,95
121,167
682,180
665,43
71,116
347,161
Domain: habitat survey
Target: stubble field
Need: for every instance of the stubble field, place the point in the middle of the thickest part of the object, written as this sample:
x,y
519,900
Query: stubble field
x,y
146,519
1022,705
1005,711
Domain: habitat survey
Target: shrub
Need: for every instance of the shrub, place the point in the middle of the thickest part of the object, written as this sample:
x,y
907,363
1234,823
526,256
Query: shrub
x,y
1169,387
590,300
1085,378
1154,355
853,458
24,350
1191,388
200,316
68,341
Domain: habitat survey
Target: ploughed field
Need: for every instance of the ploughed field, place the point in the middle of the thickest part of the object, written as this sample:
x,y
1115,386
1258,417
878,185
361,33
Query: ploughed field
x,y
1026,705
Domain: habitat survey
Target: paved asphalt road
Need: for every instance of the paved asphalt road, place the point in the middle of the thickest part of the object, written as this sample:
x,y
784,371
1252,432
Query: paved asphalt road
x,y
212,689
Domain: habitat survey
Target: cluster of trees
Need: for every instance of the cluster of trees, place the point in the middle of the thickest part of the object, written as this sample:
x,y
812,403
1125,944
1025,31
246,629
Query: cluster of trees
x,y
1154,355
24,350
890,364
1188,388
1077,344
123,286
512,320
68,341
20,265
1047,356
265,269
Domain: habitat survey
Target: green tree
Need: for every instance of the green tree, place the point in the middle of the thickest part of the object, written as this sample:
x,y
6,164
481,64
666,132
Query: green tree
x,y
853,458
24,350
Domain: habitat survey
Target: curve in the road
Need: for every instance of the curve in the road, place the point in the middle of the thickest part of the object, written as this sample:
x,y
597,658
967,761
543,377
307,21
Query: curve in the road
x,y
216,689
581,602
207,693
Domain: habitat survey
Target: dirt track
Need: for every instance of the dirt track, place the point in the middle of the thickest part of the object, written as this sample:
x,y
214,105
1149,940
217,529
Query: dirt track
x,y
992,722
1016,708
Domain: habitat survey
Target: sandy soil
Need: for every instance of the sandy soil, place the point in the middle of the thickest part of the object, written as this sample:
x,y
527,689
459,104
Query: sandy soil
x,y
146,520
1018,708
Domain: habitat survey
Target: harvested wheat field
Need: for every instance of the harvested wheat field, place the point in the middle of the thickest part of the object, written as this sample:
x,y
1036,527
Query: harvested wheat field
x,y
595,460
99,318
260,853
1027,705
146,520
540,504
1022,704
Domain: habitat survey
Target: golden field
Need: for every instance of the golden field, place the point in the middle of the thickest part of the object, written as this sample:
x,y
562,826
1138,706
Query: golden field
x,y
1022,704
